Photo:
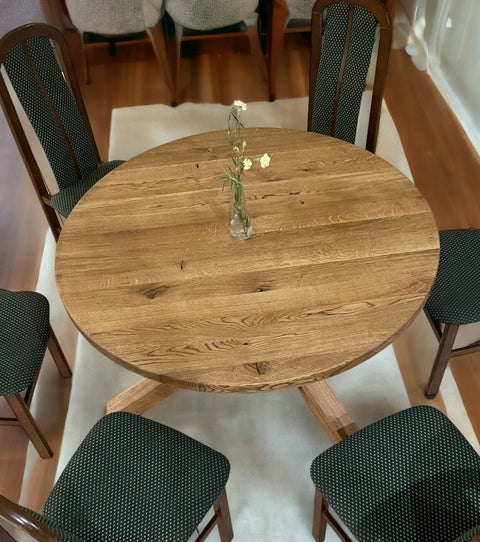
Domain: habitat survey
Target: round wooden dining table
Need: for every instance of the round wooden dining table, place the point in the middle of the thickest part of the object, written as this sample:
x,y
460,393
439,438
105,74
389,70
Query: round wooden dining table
x,y
343,254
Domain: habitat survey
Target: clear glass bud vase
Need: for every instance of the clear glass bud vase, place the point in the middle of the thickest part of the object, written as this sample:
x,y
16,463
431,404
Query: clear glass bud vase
x,y
240,225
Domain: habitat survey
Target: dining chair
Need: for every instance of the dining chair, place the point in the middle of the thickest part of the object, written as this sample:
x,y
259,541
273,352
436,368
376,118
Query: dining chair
x,y
284,16
130,479
118,21
410,476
25,334
39,90
212,18
346,37
453,301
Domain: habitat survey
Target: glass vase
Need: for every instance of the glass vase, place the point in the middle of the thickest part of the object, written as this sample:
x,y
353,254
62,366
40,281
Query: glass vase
x,y
240,225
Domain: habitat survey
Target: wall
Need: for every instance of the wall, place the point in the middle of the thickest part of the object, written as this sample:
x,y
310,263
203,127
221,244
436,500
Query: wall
x,y
448,30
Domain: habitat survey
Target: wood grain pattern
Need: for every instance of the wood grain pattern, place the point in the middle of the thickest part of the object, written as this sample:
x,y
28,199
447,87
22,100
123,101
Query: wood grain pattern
x,y
140,397
328,410
343,256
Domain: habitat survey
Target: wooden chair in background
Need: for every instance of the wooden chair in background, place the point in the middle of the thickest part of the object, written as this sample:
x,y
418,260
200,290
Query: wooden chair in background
x,y
284,16
119,21
209,19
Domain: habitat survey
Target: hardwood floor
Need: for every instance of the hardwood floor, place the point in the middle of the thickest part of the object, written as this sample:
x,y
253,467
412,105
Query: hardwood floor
x,y
443,162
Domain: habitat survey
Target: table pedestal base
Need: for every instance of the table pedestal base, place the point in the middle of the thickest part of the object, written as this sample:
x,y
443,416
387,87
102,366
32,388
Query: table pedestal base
x,y
328,410
140,397
319,396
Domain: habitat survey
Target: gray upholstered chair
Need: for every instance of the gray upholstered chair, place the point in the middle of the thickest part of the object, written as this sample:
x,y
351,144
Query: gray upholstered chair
x,y
38,74
454,300
122,19
206,16
411,476
344,34
284,16
25,334
130,479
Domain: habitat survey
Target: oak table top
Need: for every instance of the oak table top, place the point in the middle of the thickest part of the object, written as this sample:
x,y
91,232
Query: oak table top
x,y
342,258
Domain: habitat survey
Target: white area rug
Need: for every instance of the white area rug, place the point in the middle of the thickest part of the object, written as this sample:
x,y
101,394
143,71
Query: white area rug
x,y
269,438
136,129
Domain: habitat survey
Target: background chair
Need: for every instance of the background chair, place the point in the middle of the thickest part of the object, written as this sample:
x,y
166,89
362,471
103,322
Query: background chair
x,y
25,334
207,16
131,479
454,299
119,20
50,97
284,16
340,59
411,476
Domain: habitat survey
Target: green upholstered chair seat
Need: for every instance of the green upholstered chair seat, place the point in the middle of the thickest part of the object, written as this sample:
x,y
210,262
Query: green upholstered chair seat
x,y
24,332
65,200
171,479
409,477
455,295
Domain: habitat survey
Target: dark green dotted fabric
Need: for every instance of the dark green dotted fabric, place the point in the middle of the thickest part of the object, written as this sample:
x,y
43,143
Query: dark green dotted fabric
x,y
33,71
24,332
65,200
355,73
409,477
133,479
26,83
455,298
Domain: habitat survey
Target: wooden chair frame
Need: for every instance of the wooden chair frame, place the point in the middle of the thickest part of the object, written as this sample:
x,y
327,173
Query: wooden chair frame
x,y
378,9
11,39
21,405
446,339
14,521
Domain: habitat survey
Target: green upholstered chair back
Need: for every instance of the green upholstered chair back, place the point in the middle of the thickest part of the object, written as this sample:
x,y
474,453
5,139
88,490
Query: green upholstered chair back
x,y
38,81
41,77
343,38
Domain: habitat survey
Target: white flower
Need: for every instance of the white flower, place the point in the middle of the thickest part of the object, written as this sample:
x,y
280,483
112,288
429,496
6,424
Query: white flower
x,y
247,164
240,104
265,161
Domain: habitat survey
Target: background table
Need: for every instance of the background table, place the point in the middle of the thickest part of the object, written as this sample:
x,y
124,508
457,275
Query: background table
x,y
343,255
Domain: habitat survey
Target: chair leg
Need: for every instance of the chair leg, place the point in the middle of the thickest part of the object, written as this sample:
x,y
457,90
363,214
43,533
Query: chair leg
x,y
319,519
176,60
20,409
157,37
224,520
256,48
85,67
276,33
58,355
441,360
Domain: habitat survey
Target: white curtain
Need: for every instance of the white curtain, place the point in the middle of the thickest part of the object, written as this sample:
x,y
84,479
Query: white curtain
x,y
448,32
